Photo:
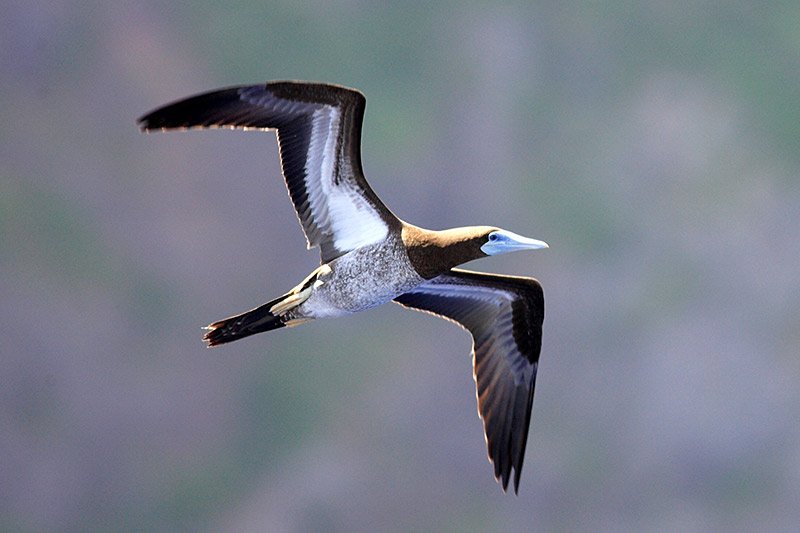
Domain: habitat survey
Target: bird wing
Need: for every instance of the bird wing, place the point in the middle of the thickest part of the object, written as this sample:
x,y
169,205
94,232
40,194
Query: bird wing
x,y
319,134
504,314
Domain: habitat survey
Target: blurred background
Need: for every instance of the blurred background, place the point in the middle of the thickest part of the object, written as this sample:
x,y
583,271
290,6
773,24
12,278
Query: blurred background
x,y
655,146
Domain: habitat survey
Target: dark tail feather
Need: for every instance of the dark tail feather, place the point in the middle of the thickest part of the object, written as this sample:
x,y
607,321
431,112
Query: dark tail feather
x,y
241,326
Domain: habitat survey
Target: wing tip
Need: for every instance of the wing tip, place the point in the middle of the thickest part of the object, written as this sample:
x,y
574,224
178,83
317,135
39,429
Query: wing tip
x,y
504,478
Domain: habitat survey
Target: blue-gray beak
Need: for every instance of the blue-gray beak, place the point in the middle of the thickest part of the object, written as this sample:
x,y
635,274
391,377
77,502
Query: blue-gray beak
x,y
502,241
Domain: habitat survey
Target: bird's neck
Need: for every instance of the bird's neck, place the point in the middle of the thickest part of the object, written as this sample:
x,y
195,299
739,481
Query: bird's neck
x,y
434,252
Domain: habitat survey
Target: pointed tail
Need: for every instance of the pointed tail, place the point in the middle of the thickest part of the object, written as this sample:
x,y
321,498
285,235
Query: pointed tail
x,y
241,326
272,315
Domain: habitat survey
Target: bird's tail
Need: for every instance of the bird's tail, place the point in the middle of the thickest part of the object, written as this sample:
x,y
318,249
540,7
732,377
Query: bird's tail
x,y
272,315
263,318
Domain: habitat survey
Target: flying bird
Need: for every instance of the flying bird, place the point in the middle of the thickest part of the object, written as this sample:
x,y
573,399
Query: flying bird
x,y
369,256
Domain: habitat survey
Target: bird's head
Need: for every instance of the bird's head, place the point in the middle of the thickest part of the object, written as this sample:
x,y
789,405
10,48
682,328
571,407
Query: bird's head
x,y
434,252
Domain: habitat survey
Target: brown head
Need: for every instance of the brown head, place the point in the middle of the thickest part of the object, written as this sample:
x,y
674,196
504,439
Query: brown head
x,y
435,252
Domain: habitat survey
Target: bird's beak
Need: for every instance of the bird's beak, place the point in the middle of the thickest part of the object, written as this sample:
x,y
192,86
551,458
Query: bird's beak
x,y
507,241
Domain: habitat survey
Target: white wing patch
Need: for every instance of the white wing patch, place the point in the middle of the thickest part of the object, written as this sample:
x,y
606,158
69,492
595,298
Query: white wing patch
x,y
340,207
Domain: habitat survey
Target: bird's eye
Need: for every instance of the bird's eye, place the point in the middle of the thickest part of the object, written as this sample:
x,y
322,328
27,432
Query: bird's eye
x,y
493,237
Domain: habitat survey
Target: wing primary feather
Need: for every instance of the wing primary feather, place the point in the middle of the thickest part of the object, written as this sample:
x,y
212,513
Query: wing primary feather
x,y
319,137
504,314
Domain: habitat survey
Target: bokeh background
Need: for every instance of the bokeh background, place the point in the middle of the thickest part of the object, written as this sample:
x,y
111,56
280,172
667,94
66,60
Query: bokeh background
x,y
654,145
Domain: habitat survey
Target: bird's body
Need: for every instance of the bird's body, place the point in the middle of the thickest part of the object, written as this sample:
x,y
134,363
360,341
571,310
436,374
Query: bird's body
x,y
350,287
370,257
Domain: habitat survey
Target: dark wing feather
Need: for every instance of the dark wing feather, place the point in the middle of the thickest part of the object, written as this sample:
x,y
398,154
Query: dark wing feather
x,y
504,314
319,133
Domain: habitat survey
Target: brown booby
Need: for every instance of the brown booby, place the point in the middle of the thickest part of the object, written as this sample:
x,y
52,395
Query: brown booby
x,y
369,256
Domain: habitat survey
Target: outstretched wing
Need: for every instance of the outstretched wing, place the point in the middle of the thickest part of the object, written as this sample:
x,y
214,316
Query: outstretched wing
x,y
319,133
504,314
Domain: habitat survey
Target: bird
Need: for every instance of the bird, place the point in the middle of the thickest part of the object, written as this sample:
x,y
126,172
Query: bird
x,y
369,256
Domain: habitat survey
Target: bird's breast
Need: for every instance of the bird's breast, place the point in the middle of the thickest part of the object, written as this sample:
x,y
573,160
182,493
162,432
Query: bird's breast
x,y
361,279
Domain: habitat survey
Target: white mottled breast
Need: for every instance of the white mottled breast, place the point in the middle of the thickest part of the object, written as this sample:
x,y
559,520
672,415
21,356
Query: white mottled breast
x,y
361,279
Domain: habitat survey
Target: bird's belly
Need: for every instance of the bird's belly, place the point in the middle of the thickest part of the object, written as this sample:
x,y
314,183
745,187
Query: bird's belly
x,y
357,283
341,296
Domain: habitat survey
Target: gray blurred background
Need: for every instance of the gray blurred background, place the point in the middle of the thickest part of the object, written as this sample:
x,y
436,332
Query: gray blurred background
x,y
654,145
